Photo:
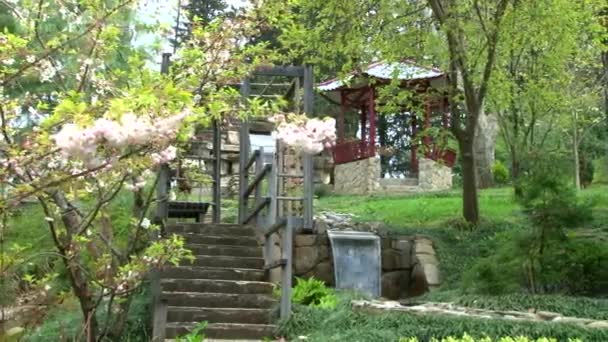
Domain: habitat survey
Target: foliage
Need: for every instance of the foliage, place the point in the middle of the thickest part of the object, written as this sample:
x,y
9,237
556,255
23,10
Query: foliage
x,y
313,292
64,321
500,173
196,335
467,338
345,324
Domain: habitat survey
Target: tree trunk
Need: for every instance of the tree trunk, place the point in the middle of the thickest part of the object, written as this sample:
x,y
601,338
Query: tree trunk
x,y
575,143
577,170
470,203
485,143
72,220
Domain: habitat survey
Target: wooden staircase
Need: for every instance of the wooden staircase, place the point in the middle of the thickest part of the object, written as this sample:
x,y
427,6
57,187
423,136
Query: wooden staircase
x,y
223,286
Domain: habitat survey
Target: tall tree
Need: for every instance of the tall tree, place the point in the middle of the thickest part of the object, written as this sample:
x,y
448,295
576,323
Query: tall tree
x,y
189,12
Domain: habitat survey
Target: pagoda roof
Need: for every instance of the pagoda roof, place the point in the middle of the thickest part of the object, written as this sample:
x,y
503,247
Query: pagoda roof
x,y
406,70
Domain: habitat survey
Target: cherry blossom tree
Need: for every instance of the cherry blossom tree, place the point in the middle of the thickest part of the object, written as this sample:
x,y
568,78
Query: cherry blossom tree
x,y
104,121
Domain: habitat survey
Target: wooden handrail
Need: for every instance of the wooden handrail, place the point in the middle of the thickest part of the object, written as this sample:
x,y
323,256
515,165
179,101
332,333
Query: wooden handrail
x,y
275,227
258,178
257,209
251,160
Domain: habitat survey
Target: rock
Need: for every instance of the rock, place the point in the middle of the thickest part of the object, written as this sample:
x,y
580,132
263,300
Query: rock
x,y
232,137
431,272
547,315
323,271
306,258
395,284
598,324
302,240
427,259
321,227
424,246
418,284
391,260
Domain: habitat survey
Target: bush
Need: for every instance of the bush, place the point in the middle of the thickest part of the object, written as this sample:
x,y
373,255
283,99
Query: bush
x,y
500,173
313,292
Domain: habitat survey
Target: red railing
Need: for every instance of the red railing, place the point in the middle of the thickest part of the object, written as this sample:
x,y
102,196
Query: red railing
x,y
351,151
446,156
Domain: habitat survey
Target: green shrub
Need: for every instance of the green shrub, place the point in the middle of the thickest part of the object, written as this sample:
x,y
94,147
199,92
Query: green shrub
x,y
313,292
468,338
500,173
195,335
601,170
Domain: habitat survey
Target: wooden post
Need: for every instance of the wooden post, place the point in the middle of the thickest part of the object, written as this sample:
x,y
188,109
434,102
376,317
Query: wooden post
x,y
271,218
309,95
159,314
372,121
363,122
286,274
308,190
243,156
259,166
217,171
341,115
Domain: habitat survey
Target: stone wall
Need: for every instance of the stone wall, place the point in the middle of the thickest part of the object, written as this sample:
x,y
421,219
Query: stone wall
x,y
433,176
409,263
357,178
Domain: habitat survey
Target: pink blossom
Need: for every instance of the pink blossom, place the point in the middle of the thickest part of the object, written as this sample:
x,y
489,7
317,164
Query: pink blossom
x,y
309,135
164,156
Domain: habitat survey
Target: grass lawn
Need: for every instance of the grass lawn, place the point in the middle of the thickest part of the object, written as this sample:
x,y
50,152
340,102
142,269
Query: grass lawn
x,y
434,209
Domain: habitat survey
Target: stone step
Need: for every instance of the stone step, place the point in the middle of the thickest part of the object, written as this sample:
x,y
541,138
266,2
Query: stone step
x,y
233,240
224,330
211,229
194,272
218,315
219,300
226,261
216,286
227,250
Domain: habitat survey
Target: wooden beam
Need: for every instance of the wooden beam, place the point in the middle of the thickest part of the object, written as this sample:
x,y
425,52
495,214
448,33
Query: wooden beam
x,y
286,275
309,91
217,171
287,71
243,156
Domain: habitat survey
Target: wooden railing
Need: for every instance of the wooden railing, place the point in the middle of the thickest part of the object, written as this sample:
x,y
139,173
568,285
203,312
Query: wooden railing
x,y
271,223
350,151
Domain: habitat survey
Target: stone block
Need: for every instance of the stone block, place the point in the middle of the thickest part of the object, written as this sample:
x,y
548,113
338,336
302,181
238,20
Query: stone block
x,y
232,137
323,271
307,258
424,246
418,284
427,259
395,284
302,240
431,273
391,260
